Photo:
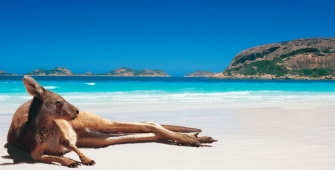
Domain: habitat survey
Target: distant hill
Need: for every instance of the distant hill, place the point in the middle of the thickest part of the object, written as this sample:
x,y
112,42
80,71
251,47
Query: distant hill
x,y
129,72
312,58
3,73
200,73
120,72
58,71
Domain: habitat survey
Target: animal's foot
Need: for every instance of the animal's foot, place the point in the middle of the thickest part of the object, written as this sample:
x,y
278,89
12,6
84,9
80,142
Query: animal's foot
x,y
187,140
203,139
71,163
87,161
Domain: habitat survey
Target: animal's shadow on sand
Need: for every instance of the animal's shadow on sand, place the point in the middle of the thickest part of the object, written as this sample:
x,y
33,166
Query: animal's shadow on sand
x,y
18,156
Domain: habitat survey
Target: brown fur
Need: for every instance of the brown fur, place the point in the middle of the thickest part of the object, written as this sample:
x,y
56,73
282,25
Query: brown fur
x,y
48,126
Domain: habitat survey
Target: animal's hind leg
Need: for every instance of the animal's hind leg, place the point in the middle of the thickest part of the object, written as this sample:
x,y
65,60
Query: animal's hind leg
x,y
147,128
99,124
94,139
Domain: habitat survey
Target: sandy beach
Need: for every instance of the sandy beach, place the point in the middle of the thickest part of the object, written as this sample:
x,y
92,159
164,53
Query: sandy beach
x,y
285,135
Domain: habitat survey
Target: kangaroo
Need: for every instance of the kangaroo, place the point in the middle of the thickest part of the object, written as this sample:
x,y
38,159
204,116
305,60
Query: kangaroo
x,y
48,127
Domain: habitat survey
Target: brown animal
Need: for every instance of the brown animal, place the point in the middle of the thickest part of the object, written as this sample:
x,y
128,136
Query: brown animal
x,y
48,127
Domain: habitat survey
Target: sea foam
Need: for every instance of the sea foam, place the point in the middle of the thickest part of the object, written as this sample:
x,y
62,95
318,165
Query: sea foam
x,y
50,87
233,97
90,84
3,97
213,97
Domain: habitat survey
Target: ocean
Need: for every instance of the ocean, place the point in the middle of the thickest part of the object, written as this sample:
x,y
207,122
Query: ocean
x,y
170,89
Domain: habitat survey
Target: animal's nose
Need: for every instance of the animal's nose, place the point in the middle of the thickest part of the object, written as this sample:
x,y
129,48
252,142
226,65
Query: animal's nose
x,y
77,111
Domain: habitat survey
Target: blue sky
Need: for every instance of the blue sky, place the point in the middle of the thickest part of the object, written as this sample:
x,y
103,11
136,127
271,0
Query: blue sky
x,y
177,36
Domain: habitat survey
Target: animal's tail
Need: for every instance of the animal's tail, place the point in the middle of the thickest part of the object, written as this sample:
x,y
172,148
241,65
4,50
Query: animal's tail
x,y
181,129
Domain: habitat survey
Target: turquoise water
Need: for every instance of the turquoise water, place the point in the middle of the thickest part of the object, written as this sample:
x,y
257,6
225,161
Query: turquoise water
x,y
125,89
168,85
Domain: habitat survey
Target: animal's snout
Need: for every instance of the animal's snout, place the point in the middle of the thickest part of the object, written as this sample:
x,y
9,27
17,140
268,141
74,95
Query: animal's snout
x,y
25,78
75,114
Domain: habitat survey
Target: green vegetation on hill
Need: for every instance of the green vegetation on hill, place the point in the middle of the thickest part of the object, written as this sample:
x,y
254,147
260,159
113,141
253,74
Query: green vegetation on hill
x,y
311,58
254,56
327,51
273,68
315,72
263,67
300,51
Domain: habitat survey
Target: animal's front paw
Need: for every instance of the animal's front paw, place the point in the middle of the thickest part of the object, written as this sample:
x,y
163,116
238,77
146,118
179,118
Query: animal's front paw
x,y
87,161
71,163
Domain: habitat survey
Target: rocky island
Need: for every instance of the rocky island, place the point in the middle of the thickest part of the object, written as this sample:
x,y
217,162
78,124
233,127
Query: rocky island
x,y
3,73
200,73
312,59
120,72
58,71
129,72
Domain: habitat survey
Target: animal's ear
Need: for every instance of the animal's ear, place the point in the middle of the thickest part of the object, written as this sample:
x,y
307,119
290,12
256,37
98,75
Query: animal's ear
x,y
33,88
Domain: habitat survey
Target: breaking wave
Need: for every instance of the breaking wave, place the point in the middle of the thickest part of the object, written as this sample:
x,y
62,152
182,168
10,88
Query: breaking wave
x,y
51,87
221,97
90,84
161,96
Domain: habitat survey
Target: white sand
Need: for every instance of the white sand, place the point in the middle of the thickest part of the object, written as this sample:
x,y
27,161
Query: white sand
x,y
297,136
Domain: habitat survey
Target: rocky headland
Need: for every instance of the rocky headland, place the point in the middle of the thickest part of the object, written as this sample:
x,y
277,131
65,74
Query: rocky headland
x,y
307,59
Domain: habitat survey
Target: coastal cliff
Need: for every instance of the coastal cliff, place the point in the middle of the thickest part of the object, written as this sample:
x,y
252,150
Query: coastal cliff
x,y
200,73
312,58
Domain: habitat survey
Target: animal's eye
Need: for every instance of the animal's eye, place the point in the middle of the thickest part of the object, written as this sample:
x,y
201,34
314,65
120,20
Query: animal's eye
x,y
61,103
